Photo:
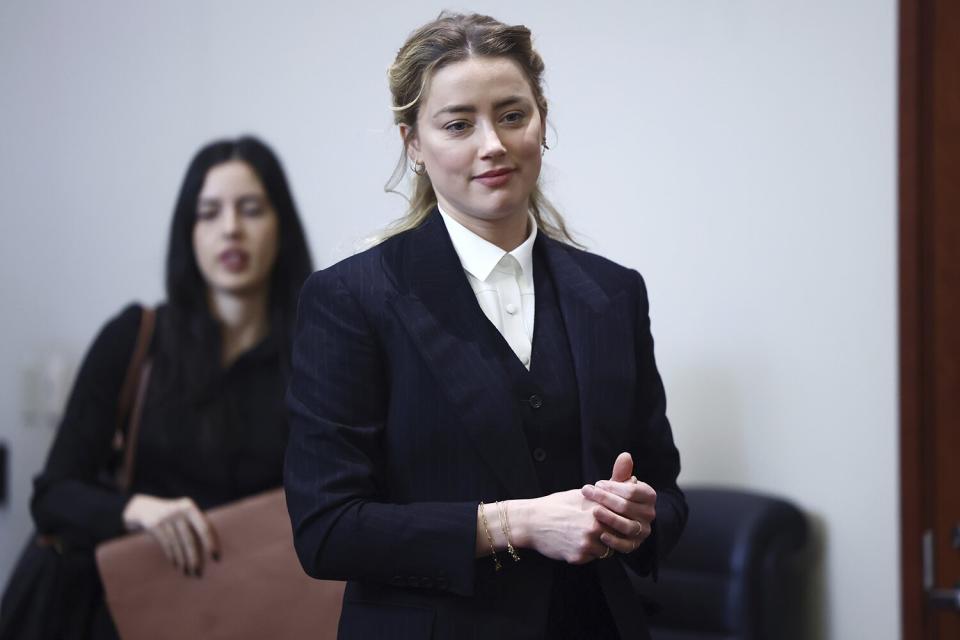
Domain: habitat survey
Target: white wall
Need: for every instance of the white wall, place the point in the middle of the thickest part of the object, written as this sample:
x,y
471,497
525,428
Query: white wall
x,y
741,154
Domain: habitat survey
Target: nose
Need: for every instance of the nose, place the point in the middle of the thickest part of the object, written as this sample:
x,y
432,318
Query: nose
x,y
231,222
492,145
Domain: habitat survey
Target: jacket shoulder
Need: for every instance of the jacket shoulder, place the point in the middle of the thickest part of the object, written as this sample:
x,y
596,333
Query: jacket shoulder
x,y
609,275
360,274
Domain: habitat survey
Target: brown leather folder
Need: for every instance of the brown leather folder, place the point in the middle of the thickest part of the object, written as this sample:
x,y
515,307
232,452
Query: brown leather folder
x,y
256,590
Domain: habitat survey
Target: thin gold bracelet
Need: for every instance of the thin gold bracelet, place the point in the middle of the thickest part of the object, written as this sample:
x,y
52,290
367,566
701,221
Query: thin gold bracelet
x,y
486,530
505,526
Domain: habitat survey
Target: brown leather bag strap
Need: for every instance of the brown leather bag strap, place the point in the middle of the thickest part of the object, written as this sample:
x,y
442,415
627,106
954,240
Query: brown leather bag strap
x,y
132,378
132,395
129,453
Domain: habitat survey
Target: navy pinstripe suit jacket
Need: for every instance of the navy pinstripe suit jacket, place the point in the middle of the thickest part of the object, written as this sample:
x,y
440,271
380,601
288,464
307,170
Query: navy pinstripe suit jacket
x,y
401,422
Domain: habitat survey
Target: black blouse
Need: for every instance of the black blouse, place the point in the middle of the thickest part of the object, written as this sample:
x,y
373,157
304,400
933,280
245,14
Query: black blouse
x,y
215,447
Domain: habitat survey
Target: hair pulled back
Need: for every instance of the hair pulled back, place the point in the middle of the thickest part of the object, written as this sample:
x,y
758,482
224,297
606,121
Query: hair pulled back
x,y
451,38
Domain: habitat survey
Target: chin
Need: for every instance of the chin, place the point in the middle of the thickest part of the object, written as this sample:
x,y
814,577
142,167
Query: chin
x,y
238,287
500,210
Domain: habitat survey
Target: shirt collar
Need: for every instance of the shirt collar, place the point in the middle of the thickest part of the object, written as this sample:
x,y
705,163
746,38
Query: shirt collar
x,y
480,257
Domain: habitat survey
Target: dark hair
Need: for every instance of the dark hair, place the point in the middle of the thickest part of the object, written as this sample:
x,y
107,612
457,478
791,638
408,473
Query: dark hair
x,y
189,341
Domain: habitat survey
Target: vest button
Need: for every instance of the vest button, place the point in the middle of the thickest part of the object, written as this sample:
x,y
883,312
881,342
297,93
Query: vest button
x,y
539,454
535,401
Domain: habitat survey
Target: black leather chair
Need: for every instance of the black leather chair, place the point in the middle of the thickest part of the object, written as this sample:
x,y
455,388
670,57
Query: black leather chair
x,y
738,573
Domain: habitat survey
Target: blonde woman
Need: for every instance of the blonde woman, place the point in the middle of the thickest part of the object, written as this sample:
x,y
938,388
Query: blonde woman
x,y
478,437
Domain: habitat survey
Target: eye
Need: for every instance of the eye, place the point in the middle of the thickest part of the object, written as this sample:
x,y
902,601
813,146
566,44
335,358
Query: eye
x,y
251,210
207,213
251,206
514,117
457,126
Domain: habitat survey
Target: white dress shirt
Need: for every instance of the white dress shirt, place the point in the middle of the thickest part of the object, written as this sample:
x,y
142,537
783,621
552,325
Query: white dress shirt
x,y
502,282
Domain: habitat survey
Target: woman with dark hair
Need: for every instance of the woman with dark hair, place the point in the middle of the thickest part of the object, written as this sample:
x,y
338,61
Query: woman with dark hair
x,y
478,441
213,427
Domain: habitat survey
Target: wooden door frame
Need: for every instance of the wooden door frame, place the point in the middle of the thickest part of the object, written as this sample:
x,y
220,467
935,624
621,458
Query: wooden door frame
x,y
911,303
918,53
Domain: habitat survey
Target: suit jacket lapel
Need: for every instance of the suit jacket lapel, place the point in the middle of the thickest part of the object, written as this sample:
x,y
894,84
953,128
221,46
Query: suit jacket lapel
x,y
436,305
598,333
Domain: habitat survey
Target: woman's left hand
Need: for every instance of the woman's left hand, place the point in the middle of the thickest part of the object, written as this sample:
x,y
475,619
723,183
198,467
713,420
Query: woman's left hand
x,y
631,506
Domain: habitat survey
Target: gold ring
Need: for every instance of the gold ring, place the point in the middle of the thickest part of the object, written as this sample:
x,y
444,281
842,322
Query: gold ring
x,y
606,554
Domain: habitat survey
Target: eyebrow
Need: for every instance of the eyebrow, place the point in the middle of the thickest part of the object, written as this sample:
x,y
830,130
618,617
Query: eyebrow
x,y
466,108
240,199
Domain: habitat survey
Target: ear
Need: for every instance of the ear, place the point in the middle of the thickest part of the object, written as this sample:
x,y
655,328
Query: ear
x,y
410,142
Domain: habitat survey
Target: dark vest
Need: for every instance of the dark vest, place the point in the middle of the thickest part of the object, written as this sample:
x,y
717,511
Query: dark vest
x,y
547,396
548,401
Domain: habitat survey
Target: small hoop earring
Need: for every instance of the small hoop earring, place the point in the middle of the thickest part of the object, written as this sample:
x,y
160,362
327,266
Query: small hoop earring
x,y
419,168
543,146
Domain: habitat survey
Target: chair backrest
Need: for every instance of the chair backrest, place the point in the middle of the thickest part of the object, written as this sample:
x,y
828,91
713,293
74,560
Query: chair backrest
x,y
736,572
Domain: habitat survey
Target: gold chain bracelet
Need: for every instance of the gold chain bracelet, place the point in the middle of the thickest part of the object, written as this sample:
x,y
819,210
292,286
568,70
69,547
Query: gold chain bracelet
x,y
505,526
486,530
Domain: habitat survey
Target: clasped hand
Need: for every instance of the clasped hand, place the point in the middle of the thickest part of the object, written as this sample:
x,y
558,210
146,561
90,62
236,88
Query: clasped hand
x,y
178,525
625,507
579,526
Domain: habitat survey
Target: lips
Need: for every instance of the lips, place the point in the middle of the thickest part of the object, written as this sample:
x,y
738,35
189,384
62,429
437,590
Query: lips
x,y
234,260
495,177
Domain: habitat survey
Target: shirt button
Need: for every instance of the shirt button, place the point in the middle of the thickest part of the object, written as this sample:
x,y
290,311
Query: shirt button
x,y
535,401
526,361
511,308
539,454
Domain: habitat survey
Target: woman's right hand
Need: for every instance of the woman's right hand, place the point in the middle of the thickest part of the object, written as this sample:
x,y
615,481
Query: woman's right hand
x,y
178,525
561,526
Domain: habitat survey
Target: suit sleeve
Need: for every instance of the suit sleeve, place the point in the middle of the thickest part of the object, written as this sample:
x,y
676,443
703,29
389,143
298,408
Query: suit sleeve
x,y
656,459
69,500
344,526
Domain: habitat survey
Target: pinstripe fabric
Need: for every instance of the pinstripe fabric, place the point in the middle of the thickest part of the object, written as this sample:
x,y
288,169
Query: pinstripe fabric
x,y
402,421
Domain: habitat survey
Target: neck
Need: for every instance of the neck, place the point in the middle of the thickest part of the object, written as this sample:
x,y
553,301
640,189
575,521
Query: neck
x,y
243,320
507,233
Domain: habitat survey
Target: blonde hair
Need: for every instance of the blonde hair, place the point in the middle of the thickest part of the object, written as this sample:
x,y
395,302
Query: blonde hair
x,y
450,38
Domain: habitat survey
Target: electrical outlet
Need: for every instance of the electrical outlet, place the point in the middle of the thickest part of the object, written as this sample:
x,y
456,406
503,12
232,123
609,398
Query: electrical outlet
x,y
45,385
